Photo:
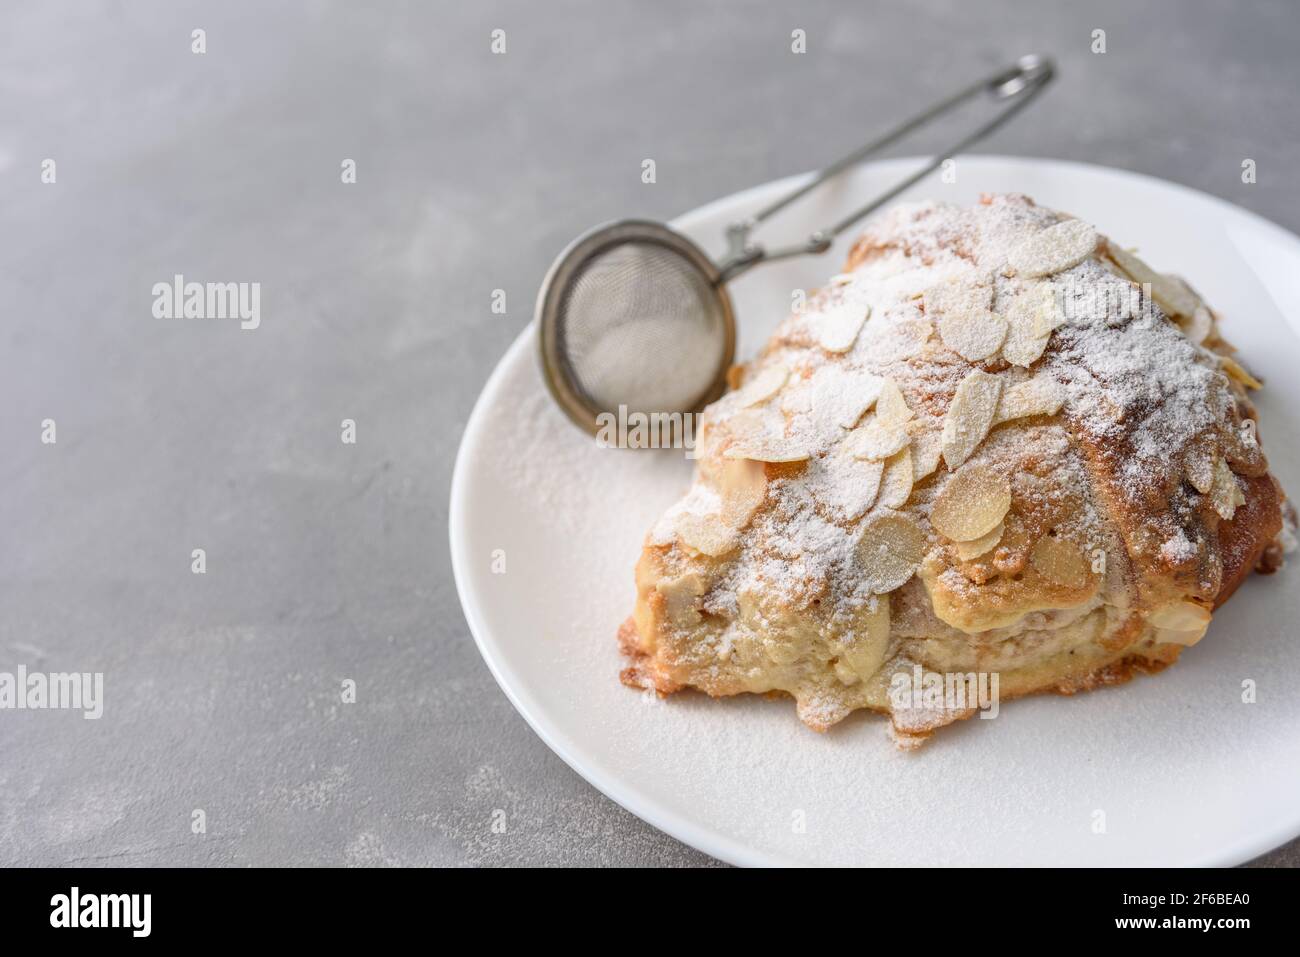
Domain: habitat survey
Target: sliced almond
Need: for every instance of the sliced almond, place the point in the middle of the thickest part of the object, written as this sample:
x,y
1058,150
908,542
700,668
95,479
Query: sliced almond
x,y
757,436
838,327
960,307
969,551
890,405
1200,465
896,483
1053,249
706,533
797,397
771,449
1174,296
1242,449
1198,326
1022,350
762,386
746,422
863,651
1061,561
850,485
1181,616
926,448
877,439
1188,638
969,416
860,394
973,503
908,338
973,335
1225,493
1048,316
889,551
1236,371
1131,265
744,486
1029,327
961,295
1180,623
1037,396
840,398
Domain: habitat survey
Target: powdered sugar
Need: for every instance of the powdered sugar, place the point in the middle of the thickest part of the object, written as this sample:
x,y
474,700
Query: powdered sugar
x,y
1178,548
1133,378
1127,379
708,764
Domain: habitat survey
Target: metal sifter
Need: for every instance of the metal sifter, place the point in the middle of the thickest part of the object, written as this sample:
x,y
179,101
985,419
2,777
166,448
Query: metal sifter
x,y
634,314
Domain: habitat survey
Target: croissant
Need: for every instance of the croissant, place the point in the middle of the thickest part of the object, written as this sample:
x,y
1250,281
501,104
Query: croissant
x,y
997,455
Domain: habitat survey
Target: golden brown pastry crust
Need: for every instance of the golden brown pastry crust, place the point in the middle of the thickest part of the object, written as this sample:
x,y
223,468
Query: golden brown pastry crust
x,y
969,454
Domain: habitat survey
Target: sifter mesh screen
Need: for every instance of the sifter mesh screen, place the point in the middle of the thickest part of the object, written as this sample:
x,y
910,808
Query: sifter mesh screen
x,y
640,325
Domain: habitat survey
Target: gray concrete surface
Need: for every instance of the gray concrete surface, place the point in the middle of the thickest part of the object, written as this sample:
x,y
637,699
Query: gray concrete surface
x,y
326,561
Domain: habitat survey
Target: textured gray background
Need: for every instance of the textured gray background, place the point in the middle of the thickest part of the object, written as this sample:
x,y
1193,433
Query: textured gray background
x,y
328,561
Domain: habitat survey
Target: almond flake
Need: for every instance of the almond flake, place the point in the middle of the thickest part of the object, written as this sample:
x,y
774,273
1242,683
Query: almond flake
x,y
1049,316
1032,316
861,393
1236,371
890,405
706,534
1037,396
838,327
1200,466
910,337
1188,638
973,335
960,296
877,439
798,397
1133,267
771,449
747,422
1181,616
1023,350
970,416
889,551
926,448
744,486
896,484
761,387
848,486
1061,561
840,398
1174,296
1198,326
1241,448
757,436
863,650
1054,249
1182,623
968,551
972,504
1225,493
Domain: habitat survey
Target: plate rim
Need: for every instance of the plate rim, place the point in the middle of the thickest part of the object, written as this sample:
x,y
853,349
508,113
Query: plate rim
x,y
707,841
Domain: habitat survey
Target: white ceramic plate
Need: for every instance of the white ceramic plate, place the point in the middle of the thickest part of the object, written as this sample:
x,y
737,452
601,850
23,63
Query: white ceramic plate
x,y
1177,768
